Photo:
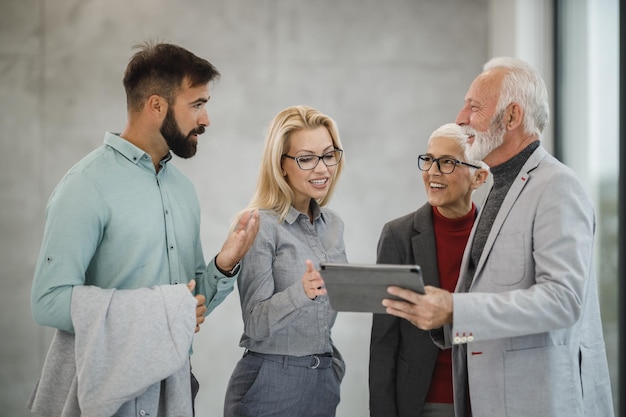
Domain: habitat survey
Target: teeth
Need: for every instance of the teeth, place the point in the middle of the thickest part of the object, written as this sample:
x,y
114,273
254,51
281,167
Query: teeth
x,y
319,182
436,185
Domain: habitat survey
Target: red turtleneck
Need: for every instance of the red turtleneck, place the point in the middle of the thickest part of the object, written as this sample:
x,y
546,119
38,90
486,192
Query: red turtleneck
x,y
451,236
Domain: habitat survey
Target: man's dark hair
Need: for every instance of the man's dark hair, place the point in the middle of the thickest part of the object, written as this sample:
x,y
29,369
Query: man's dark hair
x,y
160,68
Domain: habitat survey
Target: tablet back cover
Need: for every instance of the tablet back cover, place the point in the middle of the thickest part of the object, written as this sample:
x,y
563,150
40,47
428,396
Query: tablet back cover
x,y
362,287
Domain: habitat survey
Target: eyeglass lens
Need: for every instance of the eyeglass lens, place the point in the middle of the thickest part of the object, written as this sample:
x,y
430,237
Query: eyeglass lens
x,y
308,162
445,165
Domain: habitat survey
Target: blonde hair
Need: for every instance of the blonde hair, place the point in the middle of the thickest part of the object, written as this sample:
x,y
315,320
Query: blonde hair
x,y
272,190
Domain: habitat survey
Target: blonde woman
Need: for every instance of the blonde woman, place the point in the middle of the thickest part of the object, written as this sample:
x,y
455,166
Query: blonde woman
x,y
290,366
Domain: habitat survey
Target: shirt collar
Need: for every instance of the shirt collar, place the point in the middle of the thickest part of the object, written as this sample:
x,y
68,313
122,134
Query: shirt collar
x,y
293,214
130,151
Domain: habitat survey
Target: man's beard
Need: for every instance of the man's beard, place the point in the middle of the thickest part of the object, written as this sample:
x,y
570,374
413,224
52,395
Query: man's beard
x,y
485,142
182,145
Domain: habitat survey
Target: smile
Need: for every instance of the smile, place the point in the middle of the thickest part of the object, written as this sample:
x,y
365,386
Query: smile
x,y
319,182
437,185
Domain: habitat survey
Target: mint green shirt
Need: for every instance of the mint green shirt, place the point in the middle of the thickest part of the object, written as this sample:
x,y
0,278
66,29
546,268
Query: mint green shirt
x,y
114,222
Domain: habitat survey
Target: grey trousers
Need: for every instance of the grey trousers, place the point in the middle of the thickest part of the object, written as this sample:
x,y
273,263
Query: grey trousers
x,y
279,385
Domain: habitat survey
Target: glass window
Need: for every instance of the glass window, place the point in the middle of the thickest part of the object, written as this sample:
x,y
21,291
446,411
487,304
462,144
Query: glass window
x,y
587,134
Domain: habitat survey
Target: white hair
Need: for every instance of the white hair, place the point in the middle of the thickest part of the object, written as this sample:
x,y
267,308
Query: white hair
x,y
456,133
523,84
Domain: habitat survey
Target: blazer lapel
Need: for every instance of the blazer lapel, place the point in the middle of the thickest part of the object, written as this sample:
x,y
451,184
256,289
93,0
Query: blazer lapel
x,y
423,245
460,285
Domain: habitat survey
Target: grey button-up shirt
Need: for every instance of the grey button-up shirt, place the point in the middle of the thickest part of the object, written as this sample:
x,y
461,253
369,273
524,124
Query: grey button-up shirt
x,y
278,316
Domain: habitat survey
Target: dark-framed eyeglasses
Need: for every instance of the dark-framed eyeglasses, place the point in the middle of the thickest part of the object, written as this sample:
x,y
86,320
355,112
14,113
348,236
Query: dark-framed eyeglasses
x,y
309,162
446,164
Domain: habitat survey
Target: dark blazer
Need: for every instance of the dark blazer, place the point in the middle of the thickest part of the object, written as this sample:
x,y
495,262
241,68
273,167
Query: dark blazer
x,y
402,357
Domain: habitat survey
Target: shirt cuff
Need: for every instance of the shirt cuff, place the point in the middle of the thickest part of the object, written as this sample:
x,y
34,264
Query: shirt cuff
x,y
230,273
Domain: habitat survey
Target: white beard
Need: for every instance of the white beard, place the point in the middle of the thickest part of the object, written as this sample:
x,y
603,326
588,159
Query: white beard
x,y
485,142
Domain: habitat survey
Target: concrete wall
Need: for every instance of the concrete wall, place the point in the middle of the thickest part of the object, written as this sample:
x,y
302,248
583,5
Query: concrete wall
x,y
388,72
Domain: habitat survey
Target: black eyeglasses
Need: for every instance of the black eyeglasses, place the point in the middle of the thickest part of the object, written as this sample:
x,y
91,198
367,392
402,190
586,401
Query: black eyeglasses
x,y
309,162
446,164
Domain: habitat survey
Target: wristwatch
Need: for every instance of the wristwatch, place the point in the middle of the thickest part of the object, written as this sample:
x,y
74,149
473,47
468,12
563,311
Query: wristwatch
x,y
235,270
232,272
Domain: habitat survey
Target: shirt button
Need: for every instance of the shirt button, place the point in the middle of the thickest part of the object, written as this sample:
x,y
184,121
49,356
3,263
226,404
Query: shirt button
x,y
142,413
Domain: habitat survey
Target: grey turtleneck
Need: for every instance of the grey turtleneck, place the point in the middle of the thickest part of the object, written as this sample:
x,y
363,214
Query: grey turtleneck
x,y
503,177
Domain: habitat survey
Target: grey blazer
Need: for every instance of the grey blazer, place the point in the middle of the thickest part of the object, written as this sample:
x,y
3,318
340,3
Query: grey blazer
x,y
402,357
130,351
531,319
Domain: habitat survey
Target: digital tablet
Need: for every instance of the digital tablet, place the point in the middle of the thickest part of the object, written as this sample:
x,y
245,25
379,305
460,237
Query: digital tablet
x,y
362,287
